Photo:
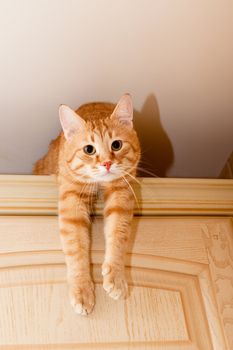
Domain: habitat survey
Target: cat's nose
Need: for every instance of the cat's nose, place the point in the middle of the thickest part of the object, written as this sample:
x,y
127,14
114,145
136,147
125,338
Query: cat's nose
x,y
107,165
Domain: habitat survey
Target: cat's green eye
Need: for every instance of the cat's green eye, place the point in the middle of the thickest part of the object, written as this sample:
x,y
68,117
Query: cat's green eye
x,y
116,145
89,149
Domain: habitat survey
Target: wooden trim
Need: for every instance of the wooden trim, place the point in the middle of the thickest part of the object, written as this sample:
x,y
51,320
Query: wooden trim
x,y
38,195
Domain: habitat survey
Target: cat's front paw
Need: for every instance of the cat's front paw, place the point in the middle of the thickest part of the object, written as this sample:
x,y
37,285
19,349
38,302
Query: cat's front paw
x,y
114,281
82,296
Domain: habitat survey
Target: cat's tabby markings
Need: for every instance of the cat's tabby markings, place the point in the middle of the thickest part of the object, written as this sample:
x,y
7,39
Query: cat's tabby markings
x,y
97,150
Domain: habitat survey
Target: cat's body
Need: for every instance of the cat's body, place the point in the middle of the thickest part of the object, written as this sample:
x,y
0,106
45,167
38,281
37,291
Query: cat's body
x,y
97,150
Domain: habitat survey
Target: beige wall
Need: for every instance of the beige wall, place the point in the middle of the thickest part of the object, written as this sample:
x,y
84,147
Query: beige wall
x,y
174,56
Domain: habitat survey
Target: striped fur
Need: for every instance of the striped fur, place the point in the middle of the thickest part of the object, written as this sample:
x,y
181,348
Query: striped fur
x,y
80,177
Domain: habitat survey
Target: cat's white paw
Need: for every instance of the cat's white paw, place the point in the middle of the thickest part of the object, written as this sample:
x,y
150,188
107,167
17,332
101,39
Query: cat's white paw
x,y
82,296
114,282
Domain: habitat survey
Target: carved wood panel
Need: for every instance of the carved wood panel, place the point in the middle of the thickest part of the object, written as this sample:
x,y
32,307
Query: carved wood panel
x,y
180,275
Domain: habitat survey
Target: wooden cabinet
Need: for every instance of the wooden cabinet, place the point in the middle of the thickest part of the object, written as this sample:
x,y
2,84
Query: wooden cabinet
x,y
179,269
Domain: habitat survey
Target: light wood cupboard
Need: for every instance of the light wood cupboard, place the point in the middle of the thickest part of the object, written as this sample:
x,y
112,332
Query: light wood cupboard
x,y
179,269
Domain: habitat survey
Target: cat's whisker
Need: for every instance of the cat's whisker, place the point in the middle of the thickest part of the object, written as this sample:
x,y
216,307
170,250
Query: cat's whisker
x,y
145,171
134,178
80,196
142,163
130,187
92,196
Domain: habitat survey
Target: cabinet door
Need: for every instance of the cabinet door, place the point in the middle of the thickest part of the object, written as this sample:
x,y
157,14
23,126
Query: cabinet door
x,y
180,273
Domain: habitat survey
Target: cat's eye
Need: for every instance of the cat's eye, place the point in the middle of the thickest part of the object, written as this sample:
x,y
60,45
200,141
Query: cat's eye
x,y
116,145
89,149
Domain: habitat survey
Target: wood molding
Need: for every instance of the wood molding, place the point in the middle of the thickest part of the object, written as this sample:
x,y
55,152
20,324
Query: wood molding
x,y
38,195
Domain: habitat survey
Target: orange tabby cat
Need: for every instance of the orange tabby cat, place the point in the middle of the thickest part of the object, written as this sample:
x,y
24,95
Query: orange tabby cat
x,y
98,149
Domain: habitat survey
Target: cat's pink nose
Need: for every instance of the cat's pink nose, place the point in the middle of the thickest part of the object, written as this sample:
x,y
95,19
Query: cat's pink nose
x,y
107,165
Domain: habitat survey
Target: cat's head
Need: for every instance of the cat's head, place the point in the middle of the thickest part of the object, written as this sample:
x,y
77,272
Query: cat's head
x,y
101,149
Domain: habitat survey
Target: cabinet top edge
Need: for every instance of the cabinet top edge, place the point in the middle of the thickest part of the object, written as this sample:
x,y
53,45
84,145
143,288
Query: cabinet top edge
x,y
38,195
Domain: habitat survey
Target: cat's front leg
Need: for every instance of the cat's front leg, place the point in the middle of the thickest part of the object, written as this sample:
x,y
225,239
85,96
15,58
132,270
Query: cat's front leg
x,y
118,213
74,231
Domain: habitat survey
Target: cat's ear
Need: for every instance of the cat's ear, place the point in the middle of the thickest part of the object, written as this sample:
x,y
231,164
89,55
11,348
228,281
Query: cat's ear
x,y
71,122
124,111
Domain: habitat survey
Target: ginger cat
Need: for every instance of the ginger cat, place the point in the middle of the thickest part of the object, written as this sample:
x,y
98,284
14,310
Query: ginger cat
x,y
97,150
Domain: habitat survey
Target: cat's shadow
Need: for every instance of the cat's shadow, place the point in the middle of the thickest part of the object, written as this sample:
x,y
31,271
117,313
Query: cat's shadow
x,y
157,150
157,157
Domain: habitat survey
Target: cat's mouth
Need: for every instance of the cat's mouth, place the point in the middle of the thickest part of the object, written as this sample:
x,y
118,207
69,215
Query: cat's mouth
x,y
108,175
